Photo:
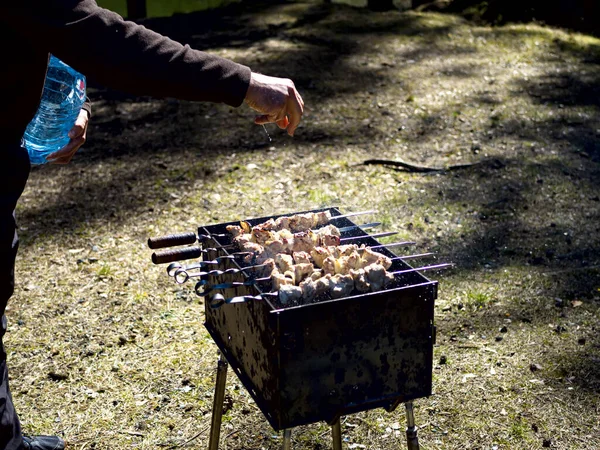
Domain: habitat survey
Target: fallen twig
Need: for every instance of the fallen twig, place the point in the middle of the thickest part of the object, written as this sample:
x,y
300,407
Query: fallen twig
x,y
415,168
194,437
131,433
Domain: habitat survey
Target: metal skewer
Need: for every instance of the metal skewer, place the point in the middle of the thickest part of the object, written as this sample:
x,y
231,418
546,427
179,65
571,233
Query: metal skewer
x,y
207,288
394,244
346,239
376,235
419,269
182,274
365,226
174,240
176,266
167,256
360,213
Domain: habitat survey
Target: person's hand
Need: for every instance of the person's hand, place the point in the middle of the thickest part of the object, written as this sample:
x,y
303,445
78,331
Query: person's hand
x,y
277,100
78,135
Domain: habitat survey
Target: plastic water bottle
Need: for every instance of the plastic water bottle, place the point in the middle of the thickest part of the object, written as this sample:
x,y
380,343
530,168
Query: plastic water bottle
x,y
62,99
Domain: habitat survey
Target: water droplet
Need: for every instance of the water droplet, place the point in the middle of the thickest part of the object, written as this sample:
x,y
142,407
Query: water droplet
x,y
265,128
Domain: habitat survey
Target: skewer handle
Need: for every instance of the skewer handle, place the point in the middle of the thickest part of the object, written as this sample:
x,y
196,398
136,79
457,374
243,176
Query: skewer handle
x,y
172,240
180,254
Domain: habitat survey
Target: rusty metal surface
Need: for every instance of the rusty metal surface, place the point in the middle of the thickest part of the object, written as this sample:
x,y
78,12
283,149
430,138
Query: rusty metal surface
x,y
355,353
321,360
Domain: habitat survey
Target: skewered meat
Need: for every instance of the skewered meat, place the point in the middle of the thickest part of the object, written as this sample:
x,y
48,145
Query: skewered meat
x,y
290,274
373,257
266,226
252,247
306,264
309,289
269,267
275,246
322,285
328,240
284,262
289,293
323,217
328,236
282,223
317,273
318,255
301,257
242,239
235,230
342,250
341,285
360,280
329,265
301,271
302,222
376,275
293,224
279,279
260,235
371,279
304,241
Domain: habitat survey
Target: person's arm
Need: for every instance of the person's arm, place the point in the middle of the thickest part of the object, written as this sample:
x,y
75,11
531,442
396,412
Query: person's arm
x,y
126,56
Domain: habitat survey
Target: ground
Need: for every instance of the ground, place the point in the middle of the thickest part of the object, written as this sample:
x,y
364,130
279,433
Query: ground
x,y
105,350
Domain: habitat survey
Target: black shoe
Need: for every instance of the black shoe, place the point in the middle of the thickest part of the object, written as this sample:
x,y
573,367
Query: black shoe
x,y
43,443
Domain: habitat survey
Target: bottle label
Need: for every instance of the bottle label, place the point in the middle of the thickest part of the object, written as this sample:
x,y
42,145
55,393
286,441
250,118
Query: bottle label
x,y
80,88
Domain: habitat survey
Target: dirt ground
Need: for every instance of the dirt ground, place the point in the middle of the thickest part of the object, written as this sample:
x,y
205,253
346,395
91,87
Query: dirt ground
x,y
105,350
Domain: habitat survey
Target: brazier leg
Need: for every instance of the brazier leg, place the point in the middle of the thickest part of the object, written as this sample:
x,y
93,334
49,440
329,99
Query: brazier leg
x,y
336,434
287,439
411,429
217,412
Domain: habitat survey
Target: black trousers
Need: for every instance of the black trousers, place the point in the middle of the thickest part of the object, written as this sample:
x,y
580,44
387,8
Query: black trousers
x,y
14,170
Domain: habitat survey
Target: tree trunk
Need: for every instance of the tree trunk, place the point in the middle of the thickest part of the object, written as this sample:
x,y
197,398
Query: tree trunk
x,y
380,5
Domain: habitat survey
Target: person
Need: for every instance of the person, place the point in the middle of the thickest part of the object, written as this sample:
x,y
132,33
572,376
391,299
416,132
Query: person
x,y
119,54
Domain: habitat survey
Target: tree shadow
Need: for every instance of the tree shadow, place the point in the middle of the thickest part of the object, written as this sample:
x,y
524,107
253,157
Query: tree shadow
x,y
328,54
580,15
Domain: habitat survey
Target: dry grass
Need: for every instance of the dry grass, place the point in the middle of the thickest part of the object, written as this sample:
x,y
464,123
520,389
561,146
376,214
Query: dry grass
x,y
106,351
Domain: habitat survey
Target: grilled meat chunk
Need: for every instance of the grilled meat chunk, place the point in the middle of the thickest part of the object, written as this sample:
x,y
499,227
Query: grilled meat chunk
x,y
284,262
301,271
301,257
279,279
235,230
289,294
341,286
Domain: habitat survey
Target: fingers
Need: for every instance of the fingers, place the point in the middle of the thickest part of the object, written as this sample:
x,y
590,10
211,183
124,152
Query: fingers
x,y
295,109
283,123
263,119
78,136
289,117
277,101
65,154
80,125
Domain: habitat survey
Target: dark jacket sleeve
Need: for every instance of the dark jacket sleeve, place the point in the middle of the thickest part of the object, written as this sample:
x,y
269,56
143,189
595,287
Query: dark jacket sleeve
x,y
126,56
87,107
